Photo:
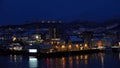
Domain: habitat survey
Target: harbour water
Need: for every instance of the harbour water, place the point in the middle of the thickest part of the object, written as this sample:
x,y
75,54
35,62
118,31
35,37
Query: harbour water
x,y
96,60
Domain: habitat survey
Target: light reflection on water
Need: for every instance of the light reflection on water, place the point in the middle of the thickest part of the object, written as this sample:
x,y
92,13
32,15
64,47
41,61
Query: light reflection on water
x,y
100,60
15,58
33,62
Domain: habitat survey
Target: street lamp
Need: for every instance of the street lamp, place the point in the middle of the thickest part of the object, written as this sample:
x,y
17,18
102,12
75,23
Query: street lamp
x,y
36,36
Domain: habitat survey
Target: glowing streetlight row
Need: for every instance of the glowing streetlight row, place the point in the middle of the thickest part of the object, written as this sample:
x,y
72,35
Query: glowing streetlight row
x,y
70,47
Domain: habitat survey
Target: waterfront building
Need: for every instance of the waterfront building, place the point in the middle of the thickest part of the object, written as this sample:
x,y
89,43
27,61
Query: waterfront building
x,y
101,42
75,42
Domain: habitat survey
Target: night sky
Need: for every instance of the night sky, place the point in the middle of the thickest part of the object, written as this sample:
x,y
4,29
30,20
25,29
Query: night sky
x,y
18,11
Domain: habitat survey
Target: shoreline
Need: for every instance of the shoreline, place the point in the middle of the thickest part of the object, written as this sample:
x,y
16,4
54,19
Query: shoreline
x,y
57,54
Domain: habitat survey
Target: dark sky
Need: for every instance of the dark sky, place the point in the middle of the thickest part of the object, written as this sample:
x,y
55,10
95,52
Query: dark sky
x,y
18,11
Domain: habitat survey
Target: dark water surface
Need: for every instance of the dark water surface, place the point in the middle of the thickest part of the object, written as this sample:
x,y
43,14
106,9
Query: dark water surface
x,y
99,60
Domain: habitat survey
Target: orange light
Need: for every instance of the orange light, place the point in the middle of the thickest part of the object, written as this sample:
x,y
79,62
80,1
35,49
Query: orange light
x,y
63,46
77,57
69,46
99,43
55,39
81,48
56,46
63,59
77,46
86,56
86,45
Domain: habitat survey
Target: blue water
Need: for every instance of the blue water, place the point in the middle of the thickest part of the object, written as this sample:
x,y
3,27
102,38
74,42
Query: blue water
x,y
100,60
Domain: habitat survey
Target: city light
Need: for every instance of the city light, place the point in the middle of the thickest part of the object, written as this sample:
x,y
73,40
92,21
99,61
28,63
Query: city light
x,y
14,38
85,57
36,36
60,34
77,46
33,62
81,48
17,48
51,50
63,46
58,43
99,43
32,50
86,46
70,46
101,47
55,39
11,48
56,47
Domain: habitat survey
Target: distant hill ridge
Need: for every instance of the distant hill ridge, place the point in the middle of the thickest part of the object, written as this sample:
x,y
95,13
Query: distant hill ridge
x,y
109,24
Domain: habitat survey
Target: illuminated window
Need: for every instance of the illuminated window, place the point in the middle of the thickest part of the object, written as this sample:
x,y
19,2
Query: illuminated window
x,y
63,46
